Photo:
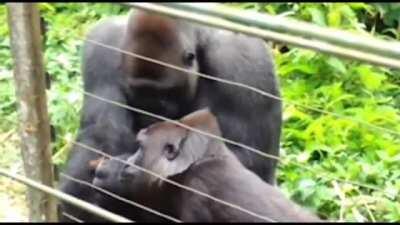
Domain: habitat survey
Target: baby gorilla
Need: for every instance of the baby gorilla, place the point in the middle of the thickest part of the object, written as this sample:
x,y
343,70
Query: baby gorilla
x,y
204,164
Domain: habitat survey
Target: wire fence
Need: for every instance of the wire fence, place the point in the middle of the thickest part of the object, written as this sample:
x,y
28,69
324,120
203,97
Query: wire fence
x,y
326,177
141,111
256,151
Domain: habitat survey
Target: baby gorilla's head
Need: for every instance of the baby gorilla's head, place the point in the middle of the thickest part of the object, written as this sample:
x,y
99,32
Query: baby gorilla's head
x,y
167,149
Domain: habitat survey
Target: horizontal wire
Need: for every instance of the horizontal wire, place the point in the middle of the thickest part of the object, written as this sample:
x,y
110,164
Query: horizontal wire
x,y
72,217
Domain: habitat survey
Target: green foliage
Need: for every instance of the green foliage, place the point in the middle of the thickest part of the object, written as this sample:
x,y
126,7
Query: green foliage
x,y
337,146
330,146
7,99
390,13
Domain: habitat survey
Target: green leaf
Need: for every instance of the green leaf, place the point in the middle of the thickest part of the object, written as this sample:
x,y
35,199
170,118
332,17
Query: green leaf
x,y
334,18
337,64
371,80
46,6
317,16
304,68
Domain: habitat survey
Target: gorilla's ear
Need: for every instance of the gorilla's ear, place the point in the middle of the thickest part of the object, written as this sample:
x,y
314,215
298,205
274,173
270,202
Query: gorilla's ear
x,y
202,120
191,149
193,146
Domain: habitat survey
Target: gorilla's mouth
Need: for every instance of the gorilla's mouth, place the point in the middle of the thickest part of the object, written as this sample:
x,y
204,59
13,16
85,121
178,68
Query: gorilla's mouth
x,y
157,83
145,82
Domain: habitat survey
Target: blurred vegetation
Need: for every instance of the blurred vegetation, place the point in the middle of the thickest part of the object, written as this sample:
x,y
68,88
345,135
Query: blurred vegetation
x,y
337,147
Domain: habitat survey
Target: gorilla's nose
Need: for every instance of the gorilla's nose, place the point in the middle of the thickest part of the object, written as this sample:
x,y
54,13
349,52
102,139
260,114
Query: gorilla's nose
x,y
128,173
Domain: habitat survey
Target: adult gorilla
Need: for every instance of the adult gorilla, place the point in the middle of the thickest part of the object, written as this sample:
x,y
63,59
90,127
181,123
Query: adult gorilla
x,y
244,116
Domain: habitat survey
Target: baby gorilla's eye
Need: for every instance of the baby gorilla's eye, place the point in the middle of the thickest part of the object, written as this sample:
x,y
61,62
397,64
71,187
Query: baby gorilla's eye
x,y
170,151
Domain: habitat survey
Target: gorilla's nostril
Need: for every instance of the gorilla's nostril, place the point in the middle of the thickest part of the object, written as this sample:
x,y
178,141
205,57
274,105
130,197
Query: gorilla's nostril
x,y
127,173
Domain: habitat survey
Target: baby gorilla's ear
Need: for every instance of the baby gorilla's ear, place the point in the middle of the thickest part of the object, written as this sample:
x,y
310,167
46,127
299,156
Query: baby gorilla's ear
x,y
191,149
192,145
203,120
142,135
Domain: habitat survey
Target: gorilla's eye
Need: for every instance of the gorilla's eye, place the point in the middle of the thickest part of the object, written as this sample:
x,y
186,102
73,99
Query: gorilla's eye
x,y
189,58
170,151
